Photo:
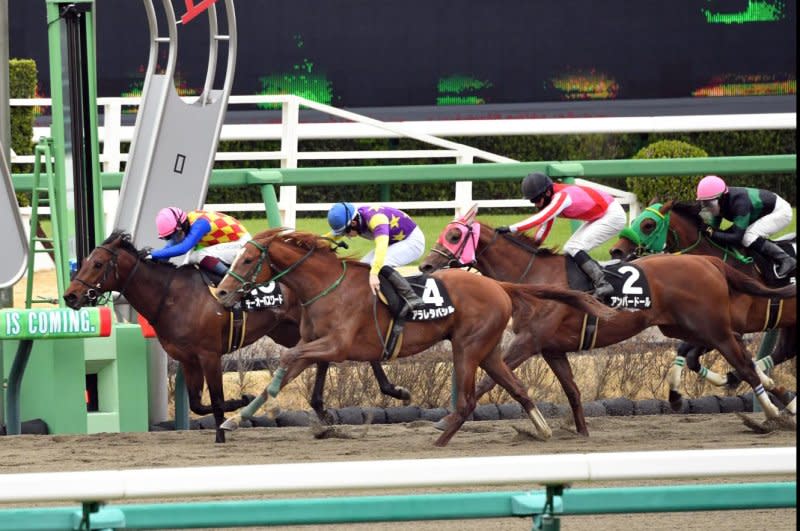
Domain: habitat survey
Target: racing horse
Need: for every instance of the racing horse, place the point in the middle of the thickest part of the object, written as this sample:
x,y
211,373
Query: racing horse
x,y
690,300
676,227
192,327
342,321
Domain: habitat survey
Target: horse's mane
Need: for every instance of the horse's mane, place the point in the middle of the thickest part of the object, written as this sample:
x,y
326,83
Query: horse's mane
x,y
525,240
690,210
126,244
301,239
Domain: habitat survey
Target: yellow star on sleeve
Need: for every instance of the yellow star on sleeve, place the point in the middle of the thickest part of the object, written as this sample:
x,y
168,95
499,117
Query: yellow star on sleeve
x,y
394,222
400,236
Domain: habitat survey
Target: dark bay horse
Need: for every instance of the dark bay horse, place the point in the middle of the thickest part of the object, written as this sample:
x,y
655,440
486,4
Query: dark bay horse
x,y
342,321
675,227
690,301
190,324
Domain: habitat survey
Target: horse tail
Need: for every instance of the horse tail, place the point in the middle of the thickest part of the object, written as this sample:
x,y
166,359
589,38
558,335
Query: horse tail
x,y
527,296
750,285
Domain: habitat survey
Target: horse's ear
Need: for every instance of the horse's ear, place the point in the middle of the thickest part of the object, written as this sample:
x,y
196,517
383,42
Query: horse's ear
x,y
653,201
667,206
469,216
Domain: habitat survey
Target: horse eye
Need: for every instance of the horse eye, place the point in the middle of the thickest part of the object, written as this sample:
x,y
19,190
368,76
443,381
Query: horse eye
x,y
97,265
454,237
648,226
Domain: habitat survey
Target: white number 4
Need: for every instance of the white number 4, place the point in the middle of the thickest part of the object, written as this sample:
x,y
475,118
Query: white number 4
x,y
431,293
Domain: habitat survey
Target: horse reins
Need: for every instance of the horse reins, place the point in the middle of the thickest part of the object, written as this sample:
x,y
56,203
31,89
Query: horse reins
x,y
92,295
247,285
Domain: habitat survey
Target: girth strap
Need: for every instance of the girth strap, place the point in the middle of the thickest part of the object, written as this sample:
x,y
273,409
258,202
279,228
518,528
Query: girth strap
x,y
773,315
237,329
589,332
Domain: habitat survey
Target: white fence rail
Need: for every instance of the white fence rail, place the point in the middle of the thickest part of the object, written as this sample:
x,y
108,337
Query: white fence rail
x,y
404,473
290,131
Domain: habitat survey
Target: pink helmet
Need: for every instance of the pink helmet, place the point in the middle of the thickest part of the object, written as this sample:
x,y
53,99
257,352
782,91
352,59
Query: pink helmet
x,y
710,187
168,220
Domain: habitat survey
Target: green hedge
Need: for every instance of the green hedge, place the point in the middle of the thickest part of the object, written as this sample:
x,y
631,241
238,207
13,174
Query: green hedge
x,y
666,187
22,84
525,148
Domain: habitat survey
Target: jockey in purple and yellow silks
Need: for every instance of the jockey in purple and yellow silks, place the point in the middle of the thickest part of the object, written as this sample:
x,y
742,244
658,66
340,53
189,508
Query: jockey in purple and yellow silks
x,y
212,239
398,242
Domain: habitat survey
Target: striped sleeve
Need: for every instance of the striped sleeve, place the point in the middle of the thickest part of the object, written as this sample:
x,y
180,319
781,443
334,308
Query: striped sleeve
x,y
557,205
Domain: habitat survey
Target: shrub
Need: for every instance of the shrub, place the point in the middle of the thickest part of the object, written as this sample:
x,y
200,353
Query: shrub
x,y
673,187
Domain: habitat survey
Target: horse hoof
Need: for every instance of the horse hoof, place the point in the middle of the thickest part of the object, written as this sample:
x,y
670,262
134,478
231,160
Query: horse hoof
x,y
440,424
220,437
273,411
732,381
230,424
675,401
405,395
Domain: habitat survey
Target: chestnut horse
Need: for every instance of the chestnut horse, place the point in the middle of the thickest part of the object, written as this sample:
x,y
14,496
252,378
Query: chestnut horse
x,y
690,301
675,227
190,324
342,321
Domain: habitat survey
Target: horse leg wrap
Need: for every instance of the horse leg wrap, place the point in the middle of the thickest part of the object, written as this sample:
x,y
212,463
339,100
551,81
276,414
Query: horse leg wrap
x,y
768,382
675,372
766,404
540,423
765,363
250,409
712,377
275,384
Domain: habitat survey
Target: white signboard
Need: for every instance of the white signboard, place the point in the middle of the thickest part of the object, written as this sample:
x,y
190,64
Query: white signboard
x,y
13,241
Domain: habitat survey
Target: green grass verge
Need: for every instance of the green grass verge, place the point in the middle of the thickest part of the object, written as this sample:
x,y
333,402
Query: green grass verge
x,y
432,226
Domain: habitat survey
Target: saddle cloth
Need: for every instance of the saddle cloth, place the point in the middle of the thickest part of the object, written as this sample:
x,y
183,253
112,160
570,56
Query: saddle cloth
x,y
631,289
430,290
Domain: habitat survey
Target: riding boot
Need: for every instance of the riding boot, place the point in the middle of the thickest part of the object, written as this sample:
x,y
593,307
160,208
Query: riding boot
x,y
214,265
404,289
769,249
602,289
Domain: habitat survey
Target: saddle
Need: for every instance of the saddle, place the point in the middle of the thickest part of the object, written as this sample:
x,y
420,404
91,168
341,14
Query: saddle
x,y
437,306
766,267
631,289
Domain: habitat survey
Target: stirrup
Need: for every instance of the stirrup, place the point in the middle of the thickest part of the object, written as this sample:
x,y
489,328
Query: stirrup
x,y
603,291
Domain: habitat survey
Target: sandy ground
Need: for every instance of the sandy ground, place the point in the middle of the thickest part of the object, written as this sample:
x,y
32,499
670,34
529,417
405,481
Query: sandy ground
x,y
44,286
42,453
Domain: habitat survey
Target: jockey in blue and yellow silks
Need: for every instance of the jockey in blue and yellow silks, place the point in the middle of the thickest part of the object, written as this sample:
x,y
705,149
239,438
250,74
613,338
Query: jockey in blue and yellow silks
x,y
398,242
212,239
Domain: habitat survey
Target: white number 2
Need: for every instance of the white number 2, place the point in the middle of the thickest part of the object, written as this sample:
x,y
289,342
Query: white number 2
x,y
633,275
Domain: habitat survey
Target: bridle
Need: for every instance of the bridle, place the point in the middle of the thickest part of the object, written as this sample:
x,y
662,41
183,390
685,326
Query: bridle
x,y
94,292
454,257
249,280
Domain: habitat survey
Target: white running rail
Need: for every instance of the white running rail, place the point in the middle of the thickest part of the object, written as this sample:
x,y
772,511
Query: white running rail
x,y
404,473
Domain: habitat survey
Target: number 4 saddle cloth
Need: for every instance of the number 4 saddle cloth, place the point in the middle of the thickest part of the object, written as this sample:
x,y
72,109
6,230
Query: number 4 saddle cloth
x,y
430,290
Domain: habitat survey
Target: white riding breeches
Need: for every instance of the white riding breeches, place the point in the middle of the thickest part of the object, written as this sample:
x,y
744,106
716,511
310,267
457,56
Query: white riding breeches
x,y
224,251
594,233
764,227
403,252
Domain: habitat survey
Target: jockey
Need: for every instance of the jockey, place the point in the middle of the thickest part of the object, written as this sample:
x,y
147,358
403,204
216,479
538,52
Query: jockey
x,y
398,242
755,214
602,215
212,239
